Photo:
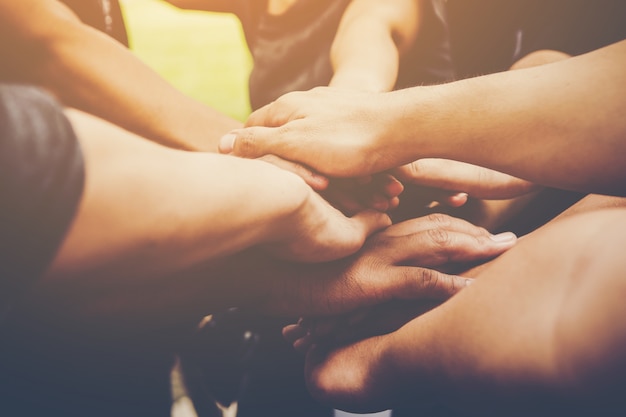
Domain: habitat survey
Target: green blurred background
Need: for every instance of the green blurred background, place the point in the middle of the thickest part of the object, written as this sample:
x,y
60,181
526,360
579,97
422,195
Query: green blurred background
x,y
203,54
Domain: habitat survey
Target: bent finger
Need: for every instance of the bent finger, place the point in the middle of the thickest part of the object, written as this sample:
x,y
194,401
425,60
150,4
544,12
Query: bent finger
x,y
434,221
426,284
437,247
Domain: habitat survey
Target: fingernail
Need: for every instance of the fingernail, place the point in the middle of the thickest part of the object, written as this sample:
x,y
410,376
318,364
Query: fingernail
x,y
503,237
469,282
227,143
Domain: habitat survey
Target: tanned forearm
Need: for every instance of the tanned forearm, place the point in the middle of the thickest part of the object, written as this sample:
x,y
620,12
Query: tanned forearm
x,y
149,211
369,41
558,125
46,44
534,334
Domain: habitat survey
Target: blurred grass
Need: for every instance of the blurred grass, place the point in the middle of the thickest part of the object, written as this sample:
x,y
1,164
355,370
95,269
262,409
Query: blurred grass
x,y
203,54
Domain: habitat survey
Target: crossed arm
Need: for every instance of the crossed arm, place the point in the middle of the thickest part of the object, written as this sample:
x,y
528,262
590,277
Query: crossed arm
x,y
168,237
44,43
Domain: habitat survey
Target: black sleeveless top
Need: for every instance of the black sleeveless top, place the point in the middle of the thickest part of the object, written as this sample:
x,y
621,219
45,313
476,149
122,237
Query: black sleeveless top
x,y
291,51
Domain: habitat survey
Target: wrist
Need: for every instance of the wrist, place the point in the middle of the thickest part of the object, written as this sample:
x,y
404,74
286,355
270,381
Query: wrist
x,y
289,195
409,369
416,130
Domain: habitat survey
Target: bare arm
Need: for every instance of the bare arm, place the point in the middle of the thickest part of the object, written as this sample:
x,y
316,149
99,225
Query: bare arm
x,y
535,334
371,37
558,125
170,210
44,43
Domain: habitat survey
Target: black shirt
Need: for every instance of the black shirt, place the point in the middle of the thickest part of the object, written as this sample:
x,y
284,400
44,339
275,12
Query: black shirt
x,y
291,51
491,35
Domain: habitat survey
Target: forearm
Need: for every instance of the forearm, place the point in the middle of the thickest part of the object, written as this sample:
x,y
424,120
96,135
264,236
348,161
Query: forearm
x,y
149,211
369,41
558,125
532,333
88,70
365,60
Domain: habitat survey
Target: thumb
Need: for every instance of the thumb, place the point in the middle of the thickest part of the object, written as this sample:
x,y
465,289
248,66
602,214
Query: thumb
x,y
252,142
370,221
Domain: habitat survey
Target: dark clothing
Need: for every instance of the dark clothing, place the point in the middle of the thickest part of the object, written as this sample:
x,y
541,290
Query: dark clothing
x,y
573,26
41,181
291,51
54,362
491,35
41,178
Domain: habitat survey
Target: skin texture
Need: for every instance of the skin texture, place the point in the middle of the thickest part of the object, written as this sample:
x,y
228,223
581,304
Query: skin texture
x,y
501,123
546,325
114,234
413,260
365,55
371,37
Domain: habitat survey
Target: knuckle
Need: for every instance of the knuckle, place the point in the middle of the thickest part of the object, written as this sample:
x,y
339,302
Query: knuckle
x,y
439,237
246,143
412,170
439,219
429,279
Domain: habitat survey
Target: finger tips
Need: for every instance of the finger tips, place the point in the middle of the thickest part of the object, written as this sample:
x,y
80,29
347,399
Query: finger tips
x,y
293,332
227,143
457,200
393,187
504,239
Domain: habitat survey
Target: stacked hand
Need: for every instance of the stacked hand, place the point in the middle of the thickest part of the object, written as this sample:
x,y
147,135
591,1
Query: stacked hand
x,y
405,261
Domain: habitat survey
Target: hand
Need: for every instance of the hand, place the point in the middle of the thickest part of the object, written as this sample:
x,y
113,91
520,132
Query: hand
x,y
311,178
395,264
333,131
478,182
317,232
350,195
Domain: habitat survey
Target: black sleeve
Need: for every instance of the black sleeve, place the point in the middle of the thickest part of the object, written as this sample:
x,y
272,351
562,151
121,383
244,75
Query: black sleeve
x,y
41,181
573,26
